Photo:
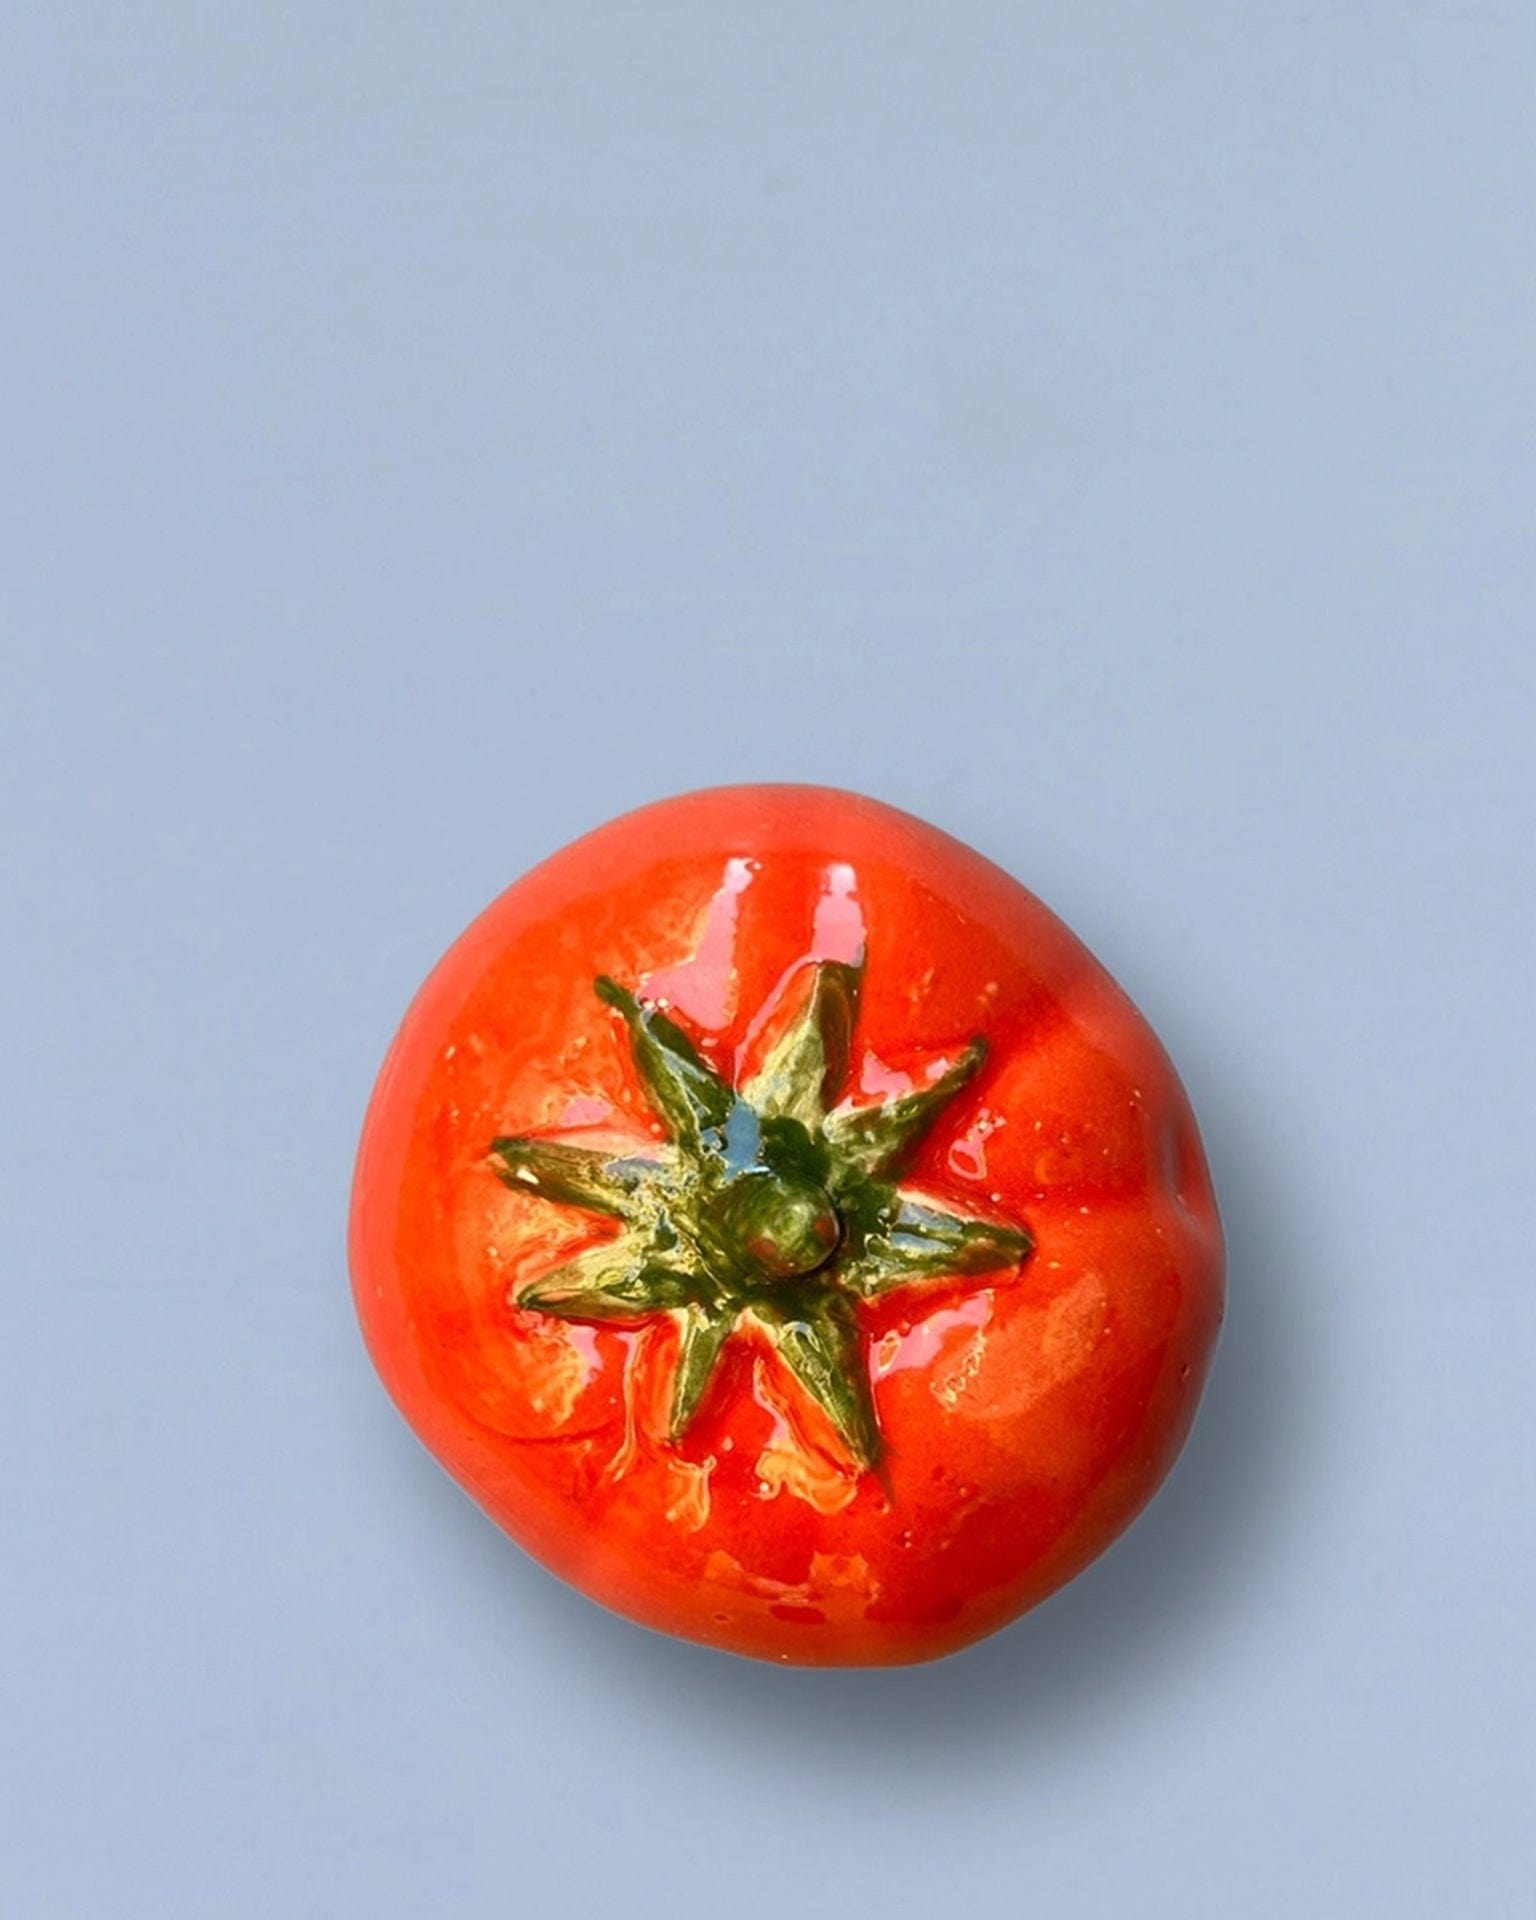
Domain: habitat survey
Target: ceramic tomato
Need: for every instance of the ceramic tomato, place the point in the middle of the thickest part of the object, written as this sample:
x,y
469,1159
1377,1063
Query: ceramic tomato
x,y
782,1225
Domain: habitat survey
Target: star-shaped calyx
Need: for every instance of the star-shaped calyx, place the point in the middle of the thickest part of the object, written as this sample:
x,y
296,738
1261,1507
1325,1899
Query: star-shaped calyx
x,y
779,1202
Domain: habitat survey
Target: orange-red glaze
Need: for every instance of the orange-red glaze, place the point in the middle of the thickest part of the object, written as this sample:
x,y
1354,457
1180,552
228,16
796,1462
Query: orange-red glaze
x,y
1027,1415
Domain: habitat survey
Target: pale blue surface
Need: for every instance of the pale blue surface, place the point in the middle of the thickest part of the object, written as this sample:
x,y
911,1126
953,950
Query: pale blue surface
x,y
1107,431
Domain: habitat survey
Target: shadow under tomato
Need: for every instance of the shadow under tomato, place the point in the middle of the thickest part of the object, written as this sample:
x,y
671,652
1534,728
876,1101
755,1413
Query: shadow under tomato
x,y
1191,1571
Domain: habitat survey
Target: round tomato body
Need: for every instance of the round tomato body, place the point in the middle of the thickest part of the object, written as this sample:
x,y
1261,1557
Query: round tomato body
x,y
787,1231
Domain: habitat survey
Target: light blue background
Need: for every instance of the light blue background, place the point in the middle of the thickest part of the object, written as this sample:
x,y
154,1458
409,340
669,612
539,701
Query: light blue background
x,y
1108,431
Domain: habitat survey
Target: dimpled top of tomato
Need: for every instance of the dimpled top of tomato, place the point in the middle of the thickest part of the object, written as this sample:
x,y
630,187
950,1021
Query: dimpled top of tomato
x,y
787,1231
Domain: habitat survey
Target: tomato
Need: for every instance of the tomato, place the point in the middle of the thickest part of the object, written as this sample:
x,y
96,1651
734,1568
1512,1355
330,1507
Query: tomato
x,y
787,1231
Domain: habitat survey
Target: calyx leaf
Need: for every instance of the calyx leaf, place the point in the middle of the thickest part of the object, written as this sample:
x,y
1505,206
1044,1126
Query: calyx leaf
x,y
705,1331
880,1140
918,1241
807,1066
615,1281
681,1085
575,1175
818,1337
